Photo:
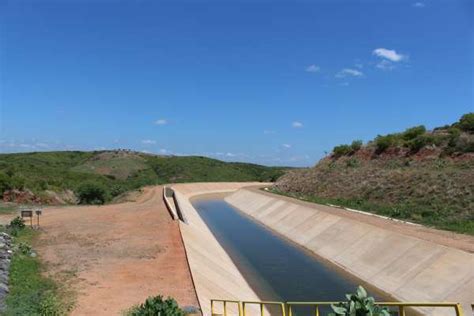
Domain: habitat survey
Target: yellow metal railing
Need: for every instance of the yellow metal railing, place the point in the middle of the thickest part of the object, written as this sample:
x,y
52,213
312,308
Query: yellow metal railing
x,y
402,306
287,308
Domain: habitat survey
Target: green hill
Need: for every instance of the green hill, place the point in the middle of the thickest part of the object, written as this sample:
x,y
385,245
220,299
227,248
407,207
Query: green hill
x,y
46,173
417,175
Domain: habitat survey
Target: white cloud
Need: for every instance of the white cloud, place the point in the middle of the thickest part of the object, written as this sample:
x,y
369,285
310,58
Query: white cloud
x,y
148,142
358,65
385,65
389,54
349,72
287,146
313,68
161,122
419,5
297,124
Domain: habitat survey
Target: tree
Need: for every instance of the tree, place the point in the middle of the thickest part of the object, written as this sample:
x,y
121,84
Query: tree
x,y
92,193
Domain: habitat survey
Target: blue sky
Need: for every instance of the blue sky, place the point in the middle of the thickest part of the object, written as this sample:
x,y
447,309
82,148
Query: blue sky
x,y
276,83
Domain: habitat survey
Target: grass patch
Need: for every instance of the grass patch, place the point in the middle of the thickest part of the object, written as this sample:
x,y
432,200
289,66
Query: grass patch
x,y
31,293
407,212
7,208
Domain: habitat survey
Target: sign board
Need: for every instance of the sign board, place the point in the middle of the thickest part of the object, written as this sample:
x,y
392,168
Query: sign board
x,y
26,213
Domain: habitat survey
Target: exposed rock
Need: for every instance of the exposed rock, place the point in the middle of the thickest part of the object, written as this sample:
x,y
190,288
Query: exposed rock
x,y
22,197
5,258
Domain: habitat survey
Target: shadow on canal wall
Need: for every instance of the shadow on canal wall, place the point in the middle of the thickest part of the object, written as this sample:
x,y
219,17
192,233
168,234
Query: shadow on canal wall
x,y
405,267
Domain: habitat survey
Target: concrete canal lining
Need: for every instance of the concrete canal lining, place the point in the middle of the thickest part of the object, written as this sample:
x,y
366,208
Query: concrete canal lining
x,y
215,275
407,268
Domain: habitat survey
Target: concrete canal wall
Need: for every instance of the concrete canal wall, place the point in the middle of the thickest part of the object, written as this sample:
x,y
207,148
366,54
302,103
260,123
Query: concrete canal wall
x,y
408,268
215,275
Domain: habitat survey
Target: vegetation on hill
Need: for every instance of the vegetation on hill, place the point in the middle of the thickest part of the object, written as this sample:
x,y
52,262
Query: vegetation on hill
x,y
417,175
96,177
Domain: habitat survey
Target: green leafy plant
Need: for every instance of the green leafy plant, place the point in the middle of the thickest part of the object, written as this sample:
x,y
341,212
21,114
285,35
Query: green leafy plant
x,y
359,304
24,248
157,306
17,223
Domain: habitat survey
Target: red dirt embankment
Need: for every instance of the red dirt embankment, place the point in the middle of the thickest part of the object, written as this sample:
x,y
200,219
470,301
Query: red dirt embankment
x,y
115,256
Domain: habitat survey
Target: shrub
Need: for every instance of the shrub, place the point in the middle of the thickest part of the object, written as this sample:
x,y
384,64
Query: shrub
x,y
359,304
352,163
157,306
5,183
466,122
17,223
342,150
92,193
24,248
419,142
116,190
413,132
382,143
17,182
454,134
356,145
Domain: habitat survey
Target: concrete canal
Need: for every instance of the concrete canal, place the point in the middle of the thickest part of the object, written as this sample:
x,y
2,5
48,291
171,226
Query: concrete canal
x,y
275,268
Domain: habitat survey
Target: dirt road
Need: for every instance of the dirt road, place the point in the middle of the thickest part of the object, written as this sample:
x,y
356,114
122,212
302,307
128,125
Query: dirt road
x,y
115,256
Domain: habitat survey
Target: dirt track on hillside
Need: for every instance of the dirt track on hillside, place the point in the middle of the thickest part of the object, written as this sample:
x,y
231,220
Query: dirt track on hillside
x,y
117,255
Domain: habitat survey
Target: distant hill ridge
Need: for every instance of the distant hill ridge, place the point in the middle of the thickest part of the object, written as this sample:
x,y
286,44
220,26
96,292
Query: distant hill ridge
x,y
53,177
416,175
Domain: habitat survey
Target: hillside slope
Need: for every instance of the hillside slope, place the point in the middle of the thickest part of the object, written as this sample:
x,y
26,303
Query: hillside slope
x,y
49,177
418,175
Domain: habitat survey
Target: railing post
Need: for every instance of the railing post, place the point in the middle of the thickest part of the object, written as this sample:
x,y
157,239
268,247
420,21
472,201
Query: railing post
x,y
283,309
459,311
317,310
261,309
401,310
225,308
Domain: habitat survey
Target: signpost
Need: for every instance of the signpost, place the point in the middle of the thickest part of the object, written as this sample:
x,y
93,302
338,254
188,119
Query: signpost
x,y
26,212
38,213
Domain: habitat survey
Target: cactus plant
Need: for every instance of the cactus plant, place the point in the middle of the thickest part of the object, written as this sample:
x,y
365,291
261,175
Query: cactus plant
x,y
359,304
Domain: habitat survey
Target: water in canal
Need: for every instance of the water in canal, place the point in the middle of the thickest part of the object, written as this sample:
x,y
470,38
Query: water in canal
x,y
276,268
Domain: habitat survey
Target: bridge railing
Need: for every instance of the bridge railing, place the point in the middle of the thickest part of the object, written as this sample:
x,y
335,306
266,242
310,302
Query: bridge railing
x,y
287,309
